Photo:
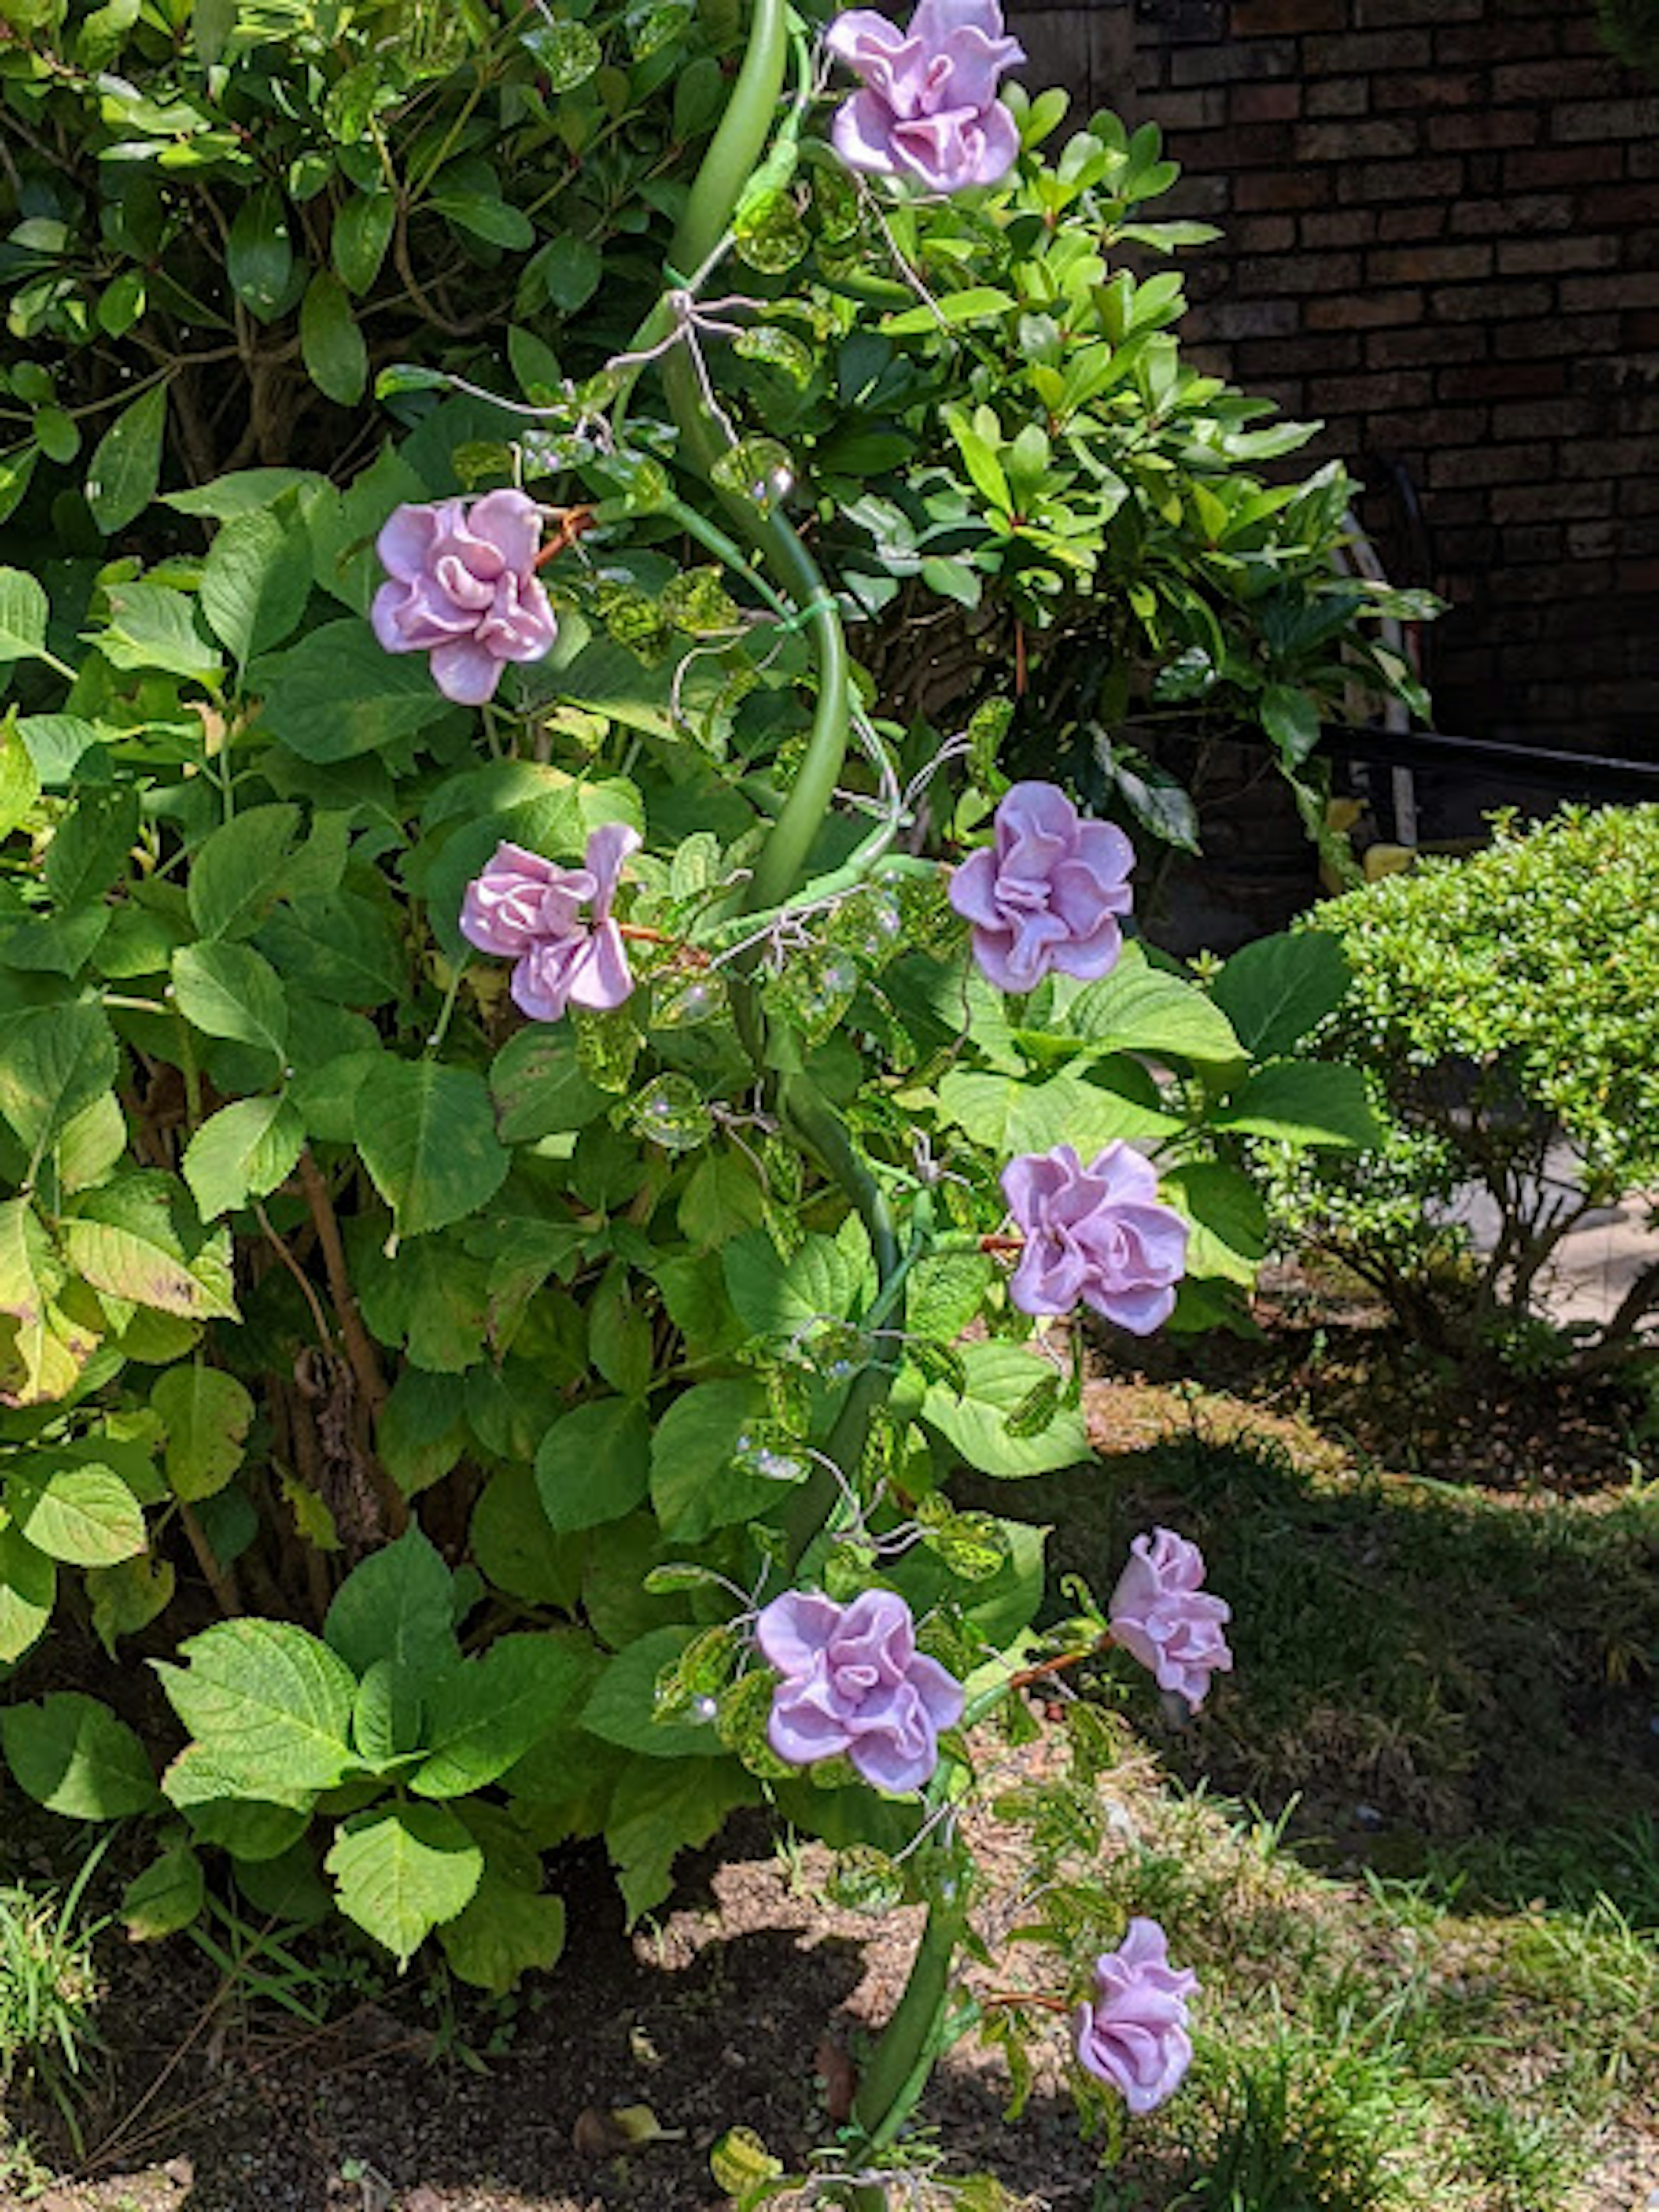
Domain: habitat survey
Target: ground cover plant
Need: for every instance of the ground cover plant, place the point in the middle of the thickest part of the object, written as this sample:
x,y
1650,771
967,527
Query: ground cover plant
x,y
530,1178
1498,1009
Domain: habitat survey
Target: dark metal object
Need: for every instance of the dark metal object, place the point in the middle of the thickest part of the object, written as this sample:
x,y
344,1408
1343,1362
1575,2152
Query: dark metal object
x,y
1580,775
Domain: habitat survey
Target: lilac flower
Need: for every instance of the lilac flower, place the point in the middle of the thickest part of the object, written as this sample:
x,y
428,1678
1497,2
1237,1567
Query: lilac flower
x,y
1046,892
1134,2034
929,110
1096,1234
853,1681
525,909
464,588
1162,1616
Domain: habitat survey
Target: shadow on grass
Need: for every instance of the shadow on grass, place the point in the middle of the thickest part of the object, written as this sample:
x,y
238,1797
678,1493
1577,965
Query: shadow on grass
x,y
1430,1683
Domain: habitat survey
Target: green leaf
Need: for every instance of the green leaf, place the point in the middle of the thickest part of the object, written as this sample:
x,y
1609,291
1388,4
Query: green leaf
x,y
260,253
341,949
124,1239
539,1087
239,869
54,1062
427,1133
20,781
397,1604
1143,1009
206,1414
70,1754
1290,718
980,303
85,1514
331,344
165,1897
1000,1378
1274,991
594,1465
657,1812
621,1708
126,463
337,693
128,1597
504,1932
24,612
516,1550
1229,1221
697,1483
1303,1102
1009,1117
241,492
363,231
487,217
779,1297
243,1151
230,991
569,269
249,1819
482,1717
255,582
400,1870
28,1590
270,1704
154,626
90,846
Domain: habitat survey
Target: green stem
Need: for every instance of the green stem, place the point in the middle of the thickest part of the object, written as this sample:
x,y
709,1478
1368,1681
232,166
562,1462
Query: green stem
x,y
897,2072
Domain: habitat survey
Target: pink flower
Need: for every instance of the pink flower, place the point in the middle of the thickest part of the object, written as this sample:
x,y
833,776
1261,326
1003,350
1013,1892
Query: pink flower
x,y
1134,2034
929,109
1047,892
464,589
525,909
1098,1235
1162,1616
853,1681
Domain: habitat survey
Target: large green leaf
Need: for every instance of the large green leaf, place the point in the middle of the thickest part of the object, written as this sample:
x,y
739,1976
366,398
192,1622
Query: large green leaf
x,y
397,1604
54,1062
206,1414
1274,991
71,1754
82,1513
1001,1379
337,693
622,1707
1142,1009
242,1152
514,1548
539,1087
698,1478
1303,1102
660,1811
24,613
594,1465
331,344
90,846
820,1281
239,871
1010,1117
255,583
165,1897
268,1703
125,1239
400,1870
504,1932
126,463
29,1589
230,991
1229,1221
427,1133
342,949
483,1717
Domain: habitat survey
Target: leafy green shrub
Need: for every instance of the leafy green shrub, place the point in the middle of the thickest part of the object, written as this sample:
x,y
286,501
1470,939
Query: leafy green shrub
x,y
486,1377
1501,1005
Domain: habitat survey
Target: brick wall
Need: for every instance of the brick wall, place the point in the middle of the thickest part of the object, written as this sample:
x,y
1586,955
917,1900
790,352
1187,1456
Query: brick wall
x,y
1442,222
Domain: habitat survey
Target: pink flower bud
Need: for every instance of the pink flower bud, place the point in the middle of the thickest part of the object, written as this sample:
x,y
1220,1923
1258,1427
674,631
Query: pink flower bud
x,y
1046,893
464,588
929,110
852,1680
1134,2036
1162,1616
1098,1236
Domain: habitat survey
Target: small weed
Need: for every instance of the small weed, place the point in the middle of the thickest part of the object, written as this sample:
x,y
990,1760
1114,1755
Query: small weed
x,y
48,1991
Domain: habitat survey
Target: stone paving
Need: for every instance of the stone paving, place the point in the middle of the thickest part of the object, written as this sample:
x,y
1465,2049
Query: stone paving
x,y
1596,1261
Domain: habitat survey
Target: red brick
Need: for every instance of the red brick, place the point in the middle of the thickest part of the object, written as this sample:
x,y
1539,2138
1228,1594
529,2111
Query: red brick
x,y
1618,203
1233,61
1303,272
1430,88
1341,95
1352,53
1427,264
1640,495
1400,180
1613,457
1491,380
1572,335
1250,319
1423,346
1324,226
1316,353
1353,141
1432,428
1640,333
1264,103
1202,109
1459,303
1478,46
1524,211
1368,12
1497,126
1468,548
1540,503
1642,161
1556,255
1558,79
1382,389
1537,541
1605,118
1428,220
1586,541
1263,233
1255,19
1631,289
1548,165
1490,464
1538,419
1282,188
1363,310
